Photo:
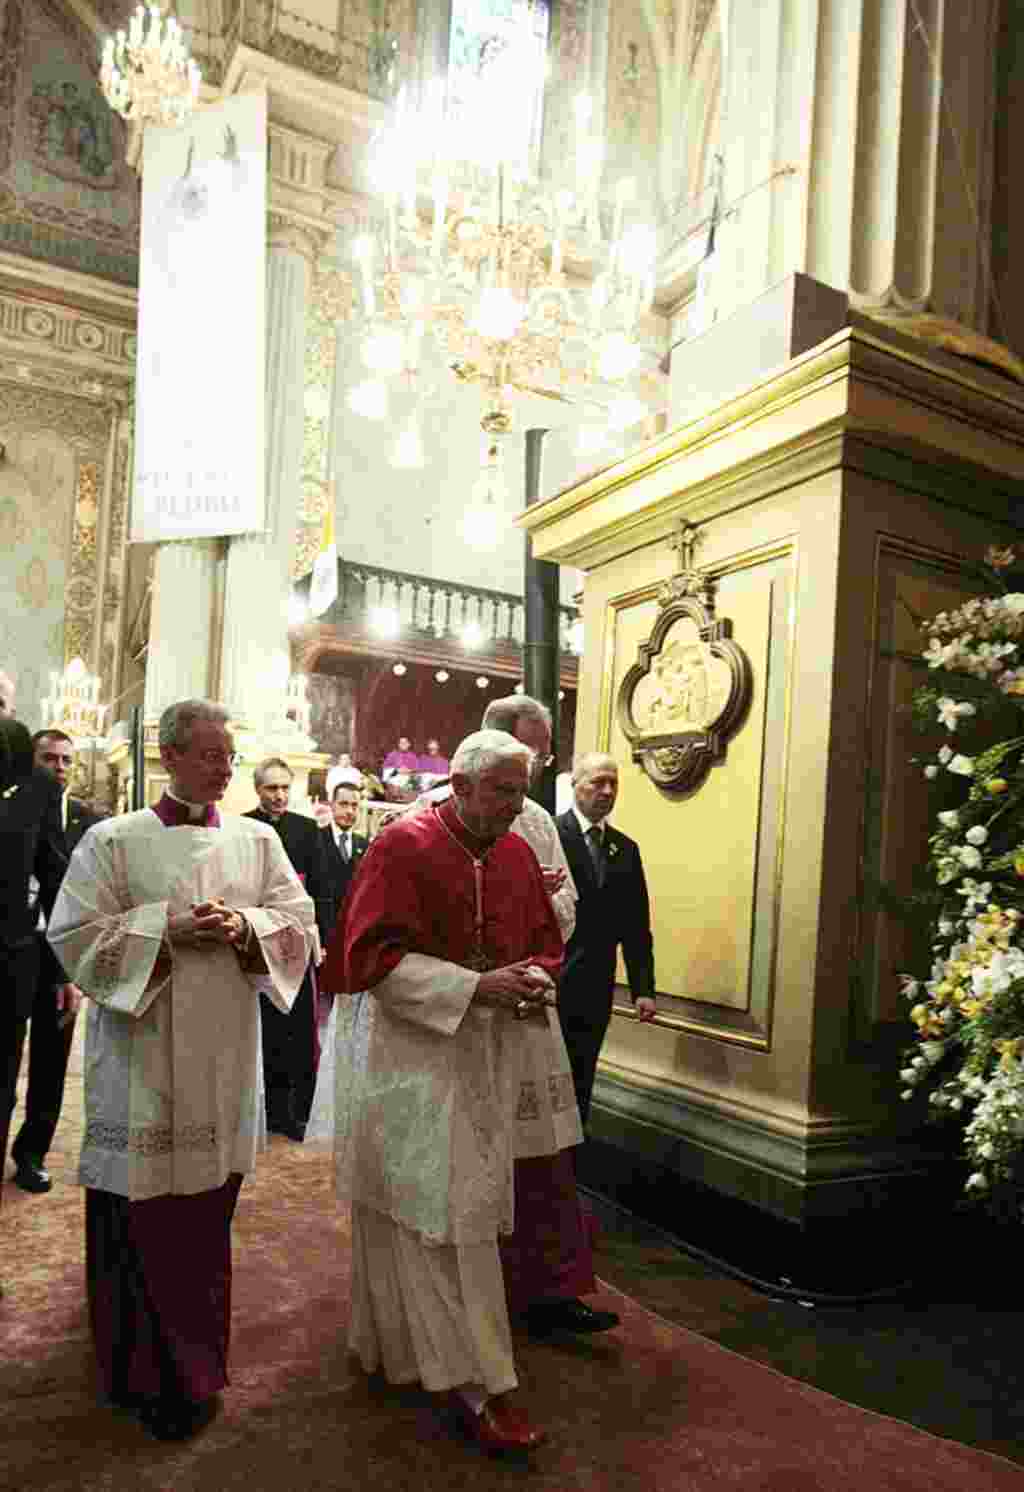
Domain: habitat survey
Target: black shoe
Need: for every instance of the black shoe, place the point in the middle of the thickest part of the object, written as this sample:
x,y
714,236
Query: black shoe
x,y
290,1128
31,1177
177,1419
567,1315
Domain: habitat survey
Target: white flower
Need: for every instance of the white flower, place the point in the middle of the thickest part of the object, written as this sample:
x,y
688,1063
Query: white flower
x,y
976,1182
908,1075
956,1104
945,926
949,818
945,752
970,858
931,772
1014,603
933,1051
976,835
987,1151
950,711
907,1093
963,766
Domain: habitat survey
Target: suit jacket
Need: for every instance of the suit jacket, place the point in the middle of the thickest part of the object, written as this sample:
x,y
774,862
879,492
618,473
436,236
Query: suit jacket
x,y
304,847
31,844
80,818
607,916
339,870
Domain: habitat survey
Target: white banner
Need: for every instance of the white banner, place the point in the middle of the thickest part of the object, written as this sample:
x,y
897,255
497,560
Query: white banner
x,y
199,458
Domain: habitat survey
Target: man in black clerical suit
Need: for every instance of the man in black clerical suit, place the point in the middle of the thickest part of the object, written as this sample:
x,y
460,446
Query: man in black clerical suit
x,y
56,1002
343,849
612,911
290,1044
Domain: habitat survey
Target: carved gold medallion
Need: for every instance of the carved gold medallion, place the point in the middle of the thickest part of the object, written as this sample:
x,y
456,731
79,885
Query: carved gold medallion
x,y
689,690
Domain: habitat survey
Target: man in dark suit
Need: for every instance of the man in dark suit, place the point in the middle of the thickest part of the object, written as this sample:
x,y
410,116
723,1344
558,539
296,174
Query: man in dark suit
x,y
56,1002
343,849
290,1046
613,911
30,835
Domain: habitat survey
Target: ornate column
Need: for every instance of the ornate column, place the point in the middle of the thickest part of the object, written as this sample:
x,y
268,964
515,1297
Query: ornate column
x,y
178,658
258,581
858,150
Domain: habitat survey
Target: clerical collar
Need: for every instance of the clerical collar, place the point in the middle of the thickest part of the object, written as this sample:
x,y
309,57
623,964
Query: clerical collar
x,y
173,811
196,811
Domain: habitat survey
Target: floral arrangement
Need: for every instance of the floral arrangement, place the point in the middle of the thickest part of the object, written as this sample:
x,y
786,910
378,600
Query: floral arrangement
x,y
969,1011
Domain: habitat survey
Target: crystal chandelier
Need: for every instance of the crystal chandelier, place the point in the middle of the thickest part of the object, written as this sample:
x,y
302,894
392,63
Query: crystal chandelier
x,y
72,704
147,75
520,289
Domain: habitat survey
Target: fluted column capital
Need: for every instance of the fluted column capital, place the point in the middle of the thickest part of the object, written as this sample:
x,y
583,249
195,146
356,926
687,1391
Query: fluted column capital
x,y
284,232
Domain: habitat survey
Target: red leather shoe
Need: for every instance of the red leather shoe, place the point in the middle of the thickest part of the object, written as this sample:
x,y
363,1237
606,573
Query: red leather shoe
x,y
499,1426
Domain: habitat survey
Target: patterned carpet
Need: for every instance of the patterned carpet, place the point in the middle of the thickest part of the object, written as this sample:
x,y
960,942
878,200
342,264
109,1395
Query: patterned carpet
x,y
650,1406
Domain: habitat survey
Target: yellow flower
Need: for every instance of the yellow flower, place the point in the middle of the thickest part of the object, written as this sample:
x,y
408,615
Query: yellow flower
x,y
919,1014
996,785
1018,864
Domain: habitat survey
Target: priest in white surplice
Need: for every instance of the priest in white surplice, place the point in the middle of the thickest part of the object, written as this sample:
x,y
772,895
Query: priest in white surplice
x,y
172,920
450,935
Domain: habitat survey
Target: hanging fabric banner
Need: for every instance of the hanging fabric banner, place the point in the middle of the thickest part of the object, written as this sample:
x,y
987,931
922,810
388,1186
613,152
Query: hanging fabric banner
x,y
199,456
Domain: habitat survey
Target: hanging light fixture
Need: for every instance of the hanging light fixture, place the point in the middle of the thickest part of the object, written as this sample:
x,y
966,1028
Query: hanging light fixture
x,y
146,74
484,519
472,251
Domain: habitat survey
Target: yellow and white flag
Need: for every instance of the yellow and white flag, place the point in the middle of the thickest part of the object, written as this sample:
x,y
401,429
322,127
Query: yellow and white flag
x,y
323,585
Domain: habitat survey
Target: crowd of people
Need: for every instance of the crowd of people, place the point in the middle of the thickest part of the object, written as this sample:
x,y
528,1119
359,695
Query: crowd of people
x,y
470,947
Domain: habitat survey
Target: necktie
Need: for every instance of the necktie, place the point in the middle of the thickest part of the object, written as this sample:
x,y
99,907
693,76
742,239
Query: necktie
x,y
595,844
343,847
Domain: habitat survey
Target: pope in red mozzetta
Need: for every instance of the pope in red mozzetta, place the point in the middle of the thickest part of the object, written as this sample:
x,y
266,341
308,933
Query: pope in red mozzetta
x,y
450,1066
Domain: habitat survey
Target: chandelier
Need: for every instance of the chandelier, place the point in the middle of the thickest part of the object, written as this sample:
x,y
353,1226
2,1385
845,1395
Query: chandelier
x,y
72,704
147,75
518,288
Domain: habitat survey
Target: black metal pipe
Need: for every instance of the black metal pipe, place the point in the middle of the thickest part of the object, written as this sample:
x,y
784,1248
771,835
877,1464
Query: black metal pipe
x,y
540,627
138,759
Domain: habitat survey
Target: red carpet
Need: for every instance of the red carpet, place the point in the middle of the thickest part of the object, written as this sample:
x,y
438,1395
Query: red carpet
x,y
648,1408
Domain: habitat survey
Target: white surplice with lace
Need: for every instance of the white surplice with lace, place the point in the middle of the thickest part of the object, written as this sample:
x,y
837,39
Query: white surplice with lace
x,y
173,1069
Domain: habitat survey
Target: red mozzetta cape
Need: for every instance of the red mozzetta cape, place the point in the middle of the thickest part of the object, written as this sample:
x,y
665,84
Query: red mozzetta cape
x,y
415,893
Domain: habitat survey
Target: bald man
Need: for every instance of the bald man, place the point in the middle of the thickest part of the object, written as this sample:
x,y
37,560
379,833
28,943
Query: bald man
x,y
613,911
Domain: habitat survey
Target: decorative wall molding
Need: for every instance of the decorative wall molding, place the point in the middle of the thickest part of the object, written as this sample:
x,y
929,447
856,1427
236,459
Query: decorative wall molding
x,y
88,340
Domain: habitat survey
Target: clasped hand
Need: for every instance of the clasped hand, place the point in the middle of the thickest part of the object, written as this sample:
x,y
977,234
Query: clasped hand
x,y
208,923
514,986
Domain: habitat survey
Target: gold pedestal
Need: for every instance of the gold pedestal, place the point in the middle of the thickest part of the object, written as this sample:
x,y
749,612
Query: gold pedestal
x,y
834,503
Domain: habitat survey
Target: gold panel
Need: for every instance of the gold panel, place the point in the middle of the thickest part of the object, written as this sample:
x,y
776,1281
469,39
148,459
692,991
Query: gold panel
x,y
713,858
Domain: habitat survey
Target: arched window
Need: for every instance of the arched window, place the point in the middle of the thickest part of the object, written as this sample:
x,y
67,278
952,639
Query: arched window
x,y
497,63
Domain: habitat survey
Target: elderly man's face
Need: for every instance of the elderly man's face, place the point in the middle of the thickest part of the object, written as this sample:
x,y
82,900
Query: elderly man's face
x,y
201,771
490,804
596,792
274,791
537,736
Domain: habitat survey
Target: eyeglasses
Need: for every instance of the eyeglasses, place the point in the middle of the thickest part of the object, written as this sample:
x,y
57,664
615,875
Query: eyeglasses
x,y
220,759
